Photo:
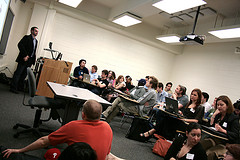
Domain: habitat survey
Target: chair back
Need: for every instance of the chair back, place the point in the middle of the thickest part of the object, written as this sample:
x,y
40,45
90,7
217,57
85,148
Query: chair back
x,y
31,82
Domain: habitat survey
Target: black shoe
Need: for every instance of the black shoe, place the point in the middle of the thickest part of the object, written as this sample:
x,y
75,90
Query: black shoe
x,y
103,118
14,91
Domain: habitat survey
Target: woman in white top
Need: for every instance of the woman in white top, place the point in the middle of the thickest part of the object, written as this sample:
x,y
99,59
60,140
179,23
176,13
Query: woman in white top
x,y
120,84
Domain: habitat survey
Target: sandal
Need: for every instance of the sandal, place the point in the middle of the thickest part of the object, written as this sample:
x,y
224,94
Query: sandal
x,y
143,134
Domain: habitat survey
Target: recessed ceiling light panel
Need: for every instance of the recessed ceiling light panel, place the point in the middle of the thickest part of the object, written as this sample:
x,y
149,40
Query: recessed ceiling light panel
x,y
127,19
226,33
72,3
169,38
173,6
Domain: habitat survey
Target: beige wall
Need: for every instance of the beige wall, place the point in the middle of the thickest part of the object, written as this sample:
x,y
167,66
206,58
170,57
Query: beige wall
x,y
213,68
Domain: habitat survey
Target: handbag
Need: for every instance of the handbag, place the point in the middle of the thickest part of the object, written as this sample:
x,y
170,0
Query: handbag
x,y
161,146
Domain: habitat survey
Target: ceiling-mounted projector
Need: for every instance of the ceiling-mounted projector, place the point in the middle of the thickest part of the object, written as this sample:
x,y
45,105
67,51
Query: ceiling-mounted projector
x,y
192,39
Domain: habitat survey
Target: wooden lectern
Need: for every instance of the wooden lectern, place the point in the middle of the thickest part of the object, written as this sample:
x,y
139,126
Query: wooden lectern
x,y
53,71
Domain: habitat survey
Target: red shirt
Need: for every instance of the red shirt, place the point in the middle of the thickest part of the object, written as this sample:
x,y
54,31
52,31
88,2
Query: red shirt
x,y
97,134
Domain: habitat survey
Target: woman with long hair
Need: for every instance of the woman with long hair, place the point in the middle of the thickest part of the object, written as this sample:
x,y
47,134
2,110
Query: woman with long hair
x,y
194,112
166,125
223,120
111,78
120,84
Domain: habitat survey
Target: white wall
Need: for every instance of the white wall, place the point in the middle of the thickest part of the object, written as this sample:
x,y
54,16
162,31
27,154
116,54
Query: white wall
x,y
213,68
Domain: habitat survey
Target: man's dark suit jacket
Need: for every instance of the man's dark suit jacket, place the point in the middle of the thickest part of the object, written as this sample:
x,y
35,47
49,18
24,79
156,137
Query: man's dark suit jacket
x,y
25,47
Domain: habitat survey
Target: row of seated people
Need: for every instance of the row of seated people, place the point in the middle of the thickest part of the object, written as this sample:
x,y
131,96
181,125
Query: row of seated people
x,y
222,119
101,85
108,81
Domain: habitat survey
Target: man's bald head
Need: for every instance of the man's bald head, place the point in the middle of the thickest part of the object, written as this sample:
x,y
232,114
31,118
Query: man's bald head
x,y
92,110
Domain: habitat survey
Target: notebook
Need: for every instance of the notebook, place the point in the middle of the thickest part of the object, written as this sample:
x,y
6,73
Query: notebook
x,y
171,105
86,78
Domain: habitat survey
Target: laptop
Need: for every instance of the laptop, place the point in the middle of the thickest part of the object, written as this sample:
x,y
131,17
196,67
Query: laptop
x,y
86,78
171,105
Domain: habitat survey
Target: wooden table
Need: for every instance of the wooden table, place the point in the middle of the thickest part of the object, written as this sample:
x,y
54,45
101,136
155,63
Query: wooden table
x,y
75,97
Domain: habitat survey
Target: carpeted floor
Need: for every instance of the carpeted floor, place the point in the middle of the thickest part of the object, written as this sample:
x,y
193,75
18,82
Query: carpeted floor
x,y
12,111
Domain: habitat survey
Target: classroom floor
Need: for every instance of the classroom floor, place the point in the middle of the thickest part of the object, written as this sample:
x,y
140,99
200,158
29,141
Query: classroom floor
x,y
12,111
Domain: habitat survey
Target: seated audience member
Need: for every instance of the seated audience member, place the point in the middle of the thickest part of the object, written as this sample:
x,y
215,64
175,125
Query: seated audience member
x,y
233,152
168,89
205,103
111,79
132,107
187,147
91,130
194,111
120,85
180,95
146,79
126,77
93,74
78,74
138,91
226,122
236,106
161,94
167,126
101,83
209,114
78,151
129,84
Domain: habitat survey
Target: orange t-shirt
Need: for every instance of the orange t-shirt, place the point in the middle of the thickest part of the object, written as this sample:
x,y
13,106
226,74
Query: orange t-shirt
x,y
97,134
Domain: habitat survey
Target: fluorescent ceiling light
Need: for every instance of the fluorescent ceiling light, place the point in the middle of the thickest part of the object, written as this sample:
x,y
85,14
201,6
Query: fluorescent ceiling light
x,y
72,3
127,19
233,32
173,6
169,38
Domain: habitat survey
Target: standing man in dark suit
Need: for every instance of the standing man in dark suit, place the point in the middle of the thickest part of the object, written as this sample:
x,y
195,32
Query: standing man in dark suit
x,y
26,58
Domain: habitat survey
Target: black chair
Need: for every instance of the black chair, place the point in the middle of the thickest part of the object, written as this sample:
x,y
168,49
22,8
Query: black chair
x,y
40,102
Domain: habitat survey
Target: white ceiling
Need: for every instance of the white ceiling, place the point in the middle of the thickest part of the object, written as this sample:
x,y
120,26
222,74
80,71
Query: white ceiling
x,y
156,22
227,13
143,8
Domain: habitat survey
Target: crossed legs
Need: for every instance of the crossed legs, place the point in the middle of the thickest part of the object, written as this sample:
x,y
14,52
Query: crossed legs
x,y
118,103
